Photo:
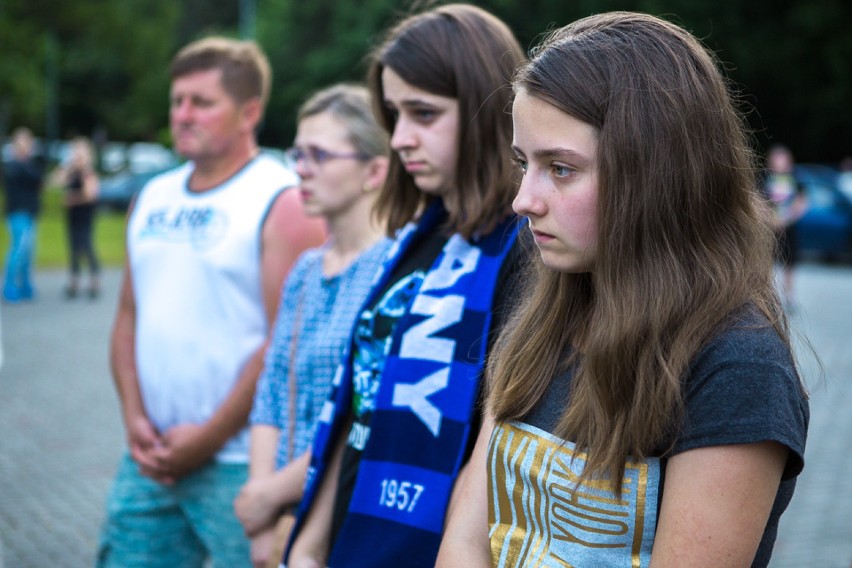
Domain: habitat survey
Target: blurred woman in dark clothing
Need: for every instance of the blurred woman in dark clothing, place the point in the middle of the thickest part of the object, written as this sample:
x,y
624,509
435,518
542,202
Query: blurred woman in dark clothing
x,y
81,194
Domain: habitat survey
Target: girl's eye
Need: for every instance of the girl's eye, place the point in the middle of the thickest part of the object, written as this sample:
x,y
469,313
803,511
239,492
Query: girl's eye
x,y
561,171
520,164
424,114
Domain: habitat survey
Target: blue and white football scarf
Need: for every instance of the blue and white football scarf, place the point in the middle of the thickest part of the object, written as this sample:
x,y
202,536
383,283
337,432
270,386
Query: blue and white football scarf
x,y
424,406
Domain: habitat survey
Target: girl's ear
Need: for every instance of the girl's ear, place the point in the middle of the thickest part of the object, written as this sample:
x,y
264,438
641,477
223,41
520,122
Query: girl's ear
x,y
377,171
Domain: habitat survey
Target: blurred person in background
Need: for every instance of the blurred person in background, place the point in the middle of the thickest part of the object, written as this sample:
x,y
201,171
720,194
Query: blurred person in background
x,y
340,154
80,182
22,178
208,247
789,203
844,179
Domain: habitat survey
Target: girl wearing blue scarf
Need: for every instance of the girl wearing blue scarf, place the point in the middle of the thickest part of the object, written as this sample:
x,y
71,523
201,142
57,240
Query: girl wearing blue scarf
x,y
398,428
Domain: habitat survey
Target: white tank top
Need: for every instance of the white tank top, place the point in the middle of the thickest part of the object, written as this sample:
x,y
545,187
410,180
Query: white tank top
x,y
195,261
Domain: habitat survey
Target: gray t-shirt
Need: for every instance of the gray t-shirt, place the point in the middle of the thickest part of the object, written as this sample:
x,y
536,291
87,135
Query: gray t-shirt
x,y
741,388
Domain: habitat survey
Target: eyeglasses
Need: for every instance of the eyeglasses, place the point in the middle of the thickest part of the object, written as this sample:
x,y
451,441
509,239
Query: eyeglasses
x,y
315,156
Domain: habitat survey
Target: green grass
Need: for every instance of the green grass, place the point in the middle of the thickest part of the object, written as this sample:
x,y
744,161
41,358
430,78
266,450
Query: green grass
x,y
52,242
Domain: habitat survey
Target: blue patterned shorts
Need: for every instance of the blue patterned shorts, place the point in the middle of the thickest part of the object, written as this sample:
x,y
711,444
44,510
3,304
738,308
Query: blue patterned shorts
x,y
152,525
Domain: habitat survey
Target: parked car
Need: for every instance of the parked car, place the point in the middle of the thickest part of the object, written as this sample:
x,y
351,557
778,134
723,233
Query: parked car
x,y
144,157
825,230
117,191
113,157
144,161
136,164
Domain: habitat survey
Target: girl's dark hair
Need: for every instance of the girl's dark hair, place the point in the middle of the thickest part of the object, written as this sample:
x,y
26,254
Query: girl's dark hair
x,y
462,52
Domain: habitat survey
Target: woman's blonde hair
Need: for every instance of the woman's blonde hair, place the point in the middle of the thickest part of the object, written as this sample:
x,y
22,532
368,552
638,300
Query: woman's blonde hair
x,y
350,104
83,149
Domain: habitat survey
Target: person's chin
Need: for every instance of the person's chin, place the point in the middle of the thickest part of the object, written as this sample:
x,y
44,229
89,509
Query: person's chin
x,y
184,143
186,151
564,263
313,209
430,186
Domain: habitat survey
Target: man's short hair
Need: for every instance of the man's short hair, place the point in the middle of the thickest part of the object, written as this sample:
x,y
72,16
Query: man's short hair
x,y
246,73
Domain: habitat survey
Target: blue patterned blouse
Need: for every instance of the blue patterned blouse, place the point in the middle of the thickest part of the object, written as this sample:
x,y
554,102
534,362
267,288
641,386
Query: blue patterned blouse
x,y
329,307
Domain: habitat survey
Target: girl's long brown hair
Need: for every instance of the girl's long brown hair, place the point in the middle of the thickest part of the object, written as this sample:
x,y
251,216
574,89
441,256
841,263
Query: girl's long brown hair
x,y
462,52
683,239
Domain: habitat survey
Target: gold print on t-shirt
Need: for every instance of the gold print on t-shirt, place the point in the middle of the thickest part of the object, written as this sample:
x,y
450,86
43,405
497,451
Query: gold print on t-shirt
x,y
539,516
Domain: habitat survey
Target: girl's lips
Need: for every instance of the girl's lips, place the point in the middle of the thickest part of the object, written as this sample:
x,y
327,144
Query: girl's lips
x,y
541,237
414,167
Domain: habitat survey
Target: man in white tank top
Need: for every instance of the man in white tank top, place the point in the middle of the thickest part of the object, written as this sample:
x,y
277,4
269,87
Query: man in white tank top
x,y
208,247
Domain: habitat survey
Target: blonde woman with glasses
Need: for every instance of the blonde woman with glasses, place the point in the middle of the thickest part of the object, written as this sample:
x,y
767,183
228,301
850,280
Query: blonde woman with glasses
x,y
340,154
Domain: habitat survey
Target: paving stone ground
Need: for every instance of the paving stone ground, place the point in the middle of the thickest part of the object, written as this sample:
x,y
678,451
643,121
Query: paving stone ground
x,y
61,433
60,428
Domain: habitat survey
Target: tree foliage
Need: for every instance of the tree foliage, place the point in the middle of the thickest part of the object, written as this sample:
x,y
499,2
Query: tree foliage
x,y
787,58
311,45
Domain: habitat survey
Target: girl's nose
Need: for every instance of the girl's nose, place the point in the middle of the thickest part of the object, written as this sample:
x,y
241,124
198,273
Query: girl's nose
x,y
528,202
403,136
